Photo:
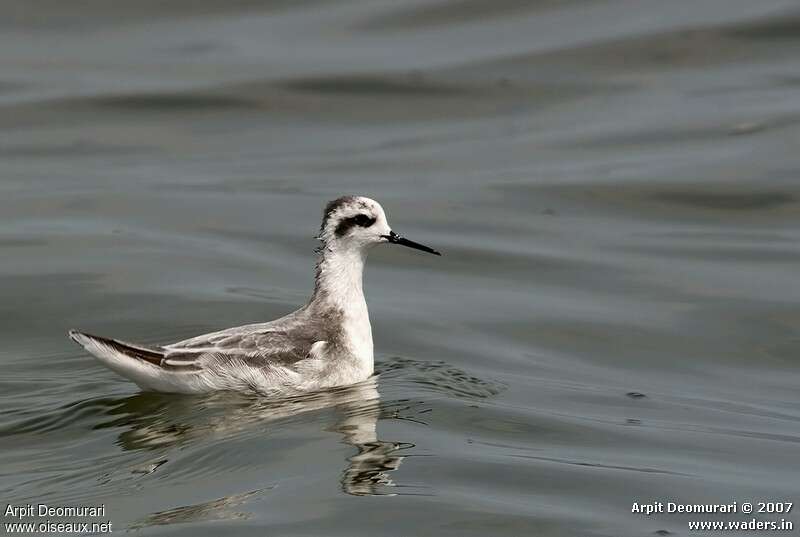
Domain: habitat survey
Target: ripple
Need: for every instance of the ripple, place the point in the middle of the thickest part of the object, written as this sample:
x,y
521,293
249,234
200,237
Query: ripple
x,y
600,466
166,102
785,27
440,377
372,85
728,201
66,416
453,12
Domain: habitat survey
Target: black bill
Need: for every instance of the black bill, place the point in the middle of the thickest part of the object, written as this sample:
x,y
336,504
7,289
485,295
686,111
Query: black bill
x,y
394,238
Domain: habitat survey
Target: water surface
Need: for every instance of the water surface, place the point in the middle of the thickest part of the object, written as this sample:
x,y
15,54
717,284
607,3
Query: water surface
x,y
614,186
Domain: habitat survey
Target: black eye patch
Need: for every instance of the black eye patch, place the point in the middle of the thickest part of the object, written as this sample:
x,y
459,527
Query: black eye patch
x,y
361,220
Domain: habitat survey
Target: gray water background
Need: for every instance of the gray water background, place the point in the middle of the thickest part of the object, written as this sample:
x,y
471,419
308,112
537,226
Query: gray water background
x,y
616,317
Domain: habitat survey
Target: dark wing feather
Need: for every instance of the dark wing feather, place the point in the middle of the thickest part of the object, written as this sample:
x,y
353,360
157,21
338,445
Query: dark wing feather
x,y
134,351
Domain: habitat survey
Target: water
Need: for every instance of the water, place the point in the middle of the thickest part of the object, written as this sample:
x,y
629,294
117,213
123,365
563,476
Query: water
x,y
615,318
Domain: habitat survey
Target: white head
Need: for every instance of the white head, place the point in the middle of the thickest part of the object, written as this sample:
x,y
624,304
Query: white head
x,y
356,223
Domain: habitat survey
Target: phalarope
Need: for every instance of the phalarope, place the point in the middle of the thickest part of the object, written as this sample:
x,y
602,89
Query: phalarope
x,y
326,343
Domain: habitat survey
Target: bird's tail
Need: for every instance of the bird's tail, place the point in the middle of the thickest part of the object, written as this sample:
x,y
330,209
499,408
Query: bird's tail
x,y
139,364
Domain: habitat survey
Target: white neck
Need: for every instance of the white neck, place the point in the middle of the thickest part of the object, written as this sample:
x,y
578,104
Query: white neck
x,y
339,285
339,277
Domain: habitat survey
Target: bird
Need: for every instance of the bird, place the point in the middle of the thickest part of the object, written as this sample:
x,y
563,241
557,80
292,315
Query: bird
x,y
324,344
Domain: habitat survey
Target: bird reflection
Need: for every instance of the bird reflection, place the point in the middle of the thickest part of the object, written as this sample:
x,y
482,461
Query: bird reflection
x,y
368,470
156,421
219,509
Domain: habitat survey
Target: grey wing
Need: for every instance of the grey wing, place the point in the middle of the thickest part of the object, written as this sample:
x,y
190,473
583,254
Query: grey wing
x,y
258,345
214,339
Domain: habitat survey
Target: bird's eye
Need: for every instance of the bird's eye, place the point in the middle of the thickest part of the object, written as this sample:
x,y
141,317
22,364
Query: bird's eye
x,y
363,220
